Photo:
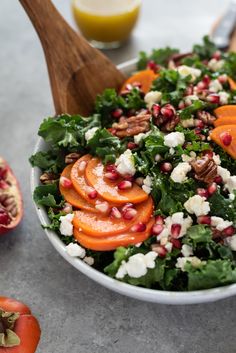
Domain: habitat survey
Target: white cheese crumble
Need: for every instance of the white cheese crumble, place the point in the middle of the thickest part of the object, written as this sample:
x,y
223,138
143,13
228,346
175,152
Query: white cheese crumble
x,y
125,163
169,246
89,260
216,159
137,265
215,86
194,260
224,97
231,242
179,173
138,138
216,65
186,250
75,250
219,223
231,184
197,205
224,173
174,139
192,156
90,133
66,226
147,184
178,218
187,122
152,97
185,71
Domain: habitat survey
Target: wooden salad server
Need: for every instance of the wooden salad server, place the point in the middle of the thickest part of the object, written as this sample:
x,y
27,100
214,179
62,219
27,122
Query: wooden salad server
x,y
77,71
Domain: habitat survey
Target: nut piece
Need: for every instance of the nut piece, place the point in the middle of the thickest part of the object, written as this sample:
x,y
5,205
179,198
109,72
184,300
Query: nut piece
x,y
205,169
72,157
48,178
133,125
206,117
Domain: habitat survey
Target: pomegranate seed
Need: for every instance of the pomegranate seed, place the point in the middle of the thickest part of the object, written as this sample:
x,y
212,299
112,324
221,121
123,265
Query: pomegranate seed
x,y
166,167
113,175
156,108
3,172
139,227
199,123
127,206
212,188
129,177
159,220
132,145
117,113
197,131
65,182
125,184
181,105
3,185
139,181
102,207
82,165
223,79
208,153
112,131
93,194
206,79
201,85
202,192
115,213
175,230
216,233
152,65
67,208
4,217
110,167
157,229
168,111
217,55
176,243
218,179
159,249
137,84
226,138
204,220
129,87
229,231
130,213
213,98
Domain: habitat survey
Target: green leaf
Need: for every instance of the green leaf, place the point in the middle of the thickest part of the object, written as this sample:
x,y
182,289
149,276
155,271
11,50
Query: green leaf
x,y
153,276
159,56
47,195
198,234
48,161
206,50
213,274
223,207
196,105
120,254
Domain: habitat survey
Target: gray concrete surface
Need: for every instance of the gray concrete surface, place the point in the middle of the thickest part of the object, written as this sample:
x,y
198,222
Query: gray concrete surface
x,y
76,314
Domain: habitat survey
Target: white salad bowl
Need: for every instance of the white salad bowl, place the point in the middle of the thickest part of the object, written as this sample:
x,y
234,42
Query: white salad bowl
x,y
149,295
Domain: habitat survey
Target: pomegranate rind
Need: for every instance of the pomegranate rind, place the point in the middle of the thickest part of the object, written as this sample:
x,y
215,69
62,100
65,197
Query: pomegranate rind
x,y
15,191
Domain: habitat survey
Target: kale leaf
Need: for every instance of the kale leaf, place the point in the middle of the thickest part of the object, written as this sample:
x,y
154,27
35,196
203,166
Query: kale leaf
x,y
206,50
159,56
48,195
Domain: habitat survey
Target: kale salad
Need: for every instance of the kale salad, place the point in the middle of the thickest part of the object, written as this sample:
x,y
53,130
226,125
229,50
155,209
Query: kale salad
x,y
144,189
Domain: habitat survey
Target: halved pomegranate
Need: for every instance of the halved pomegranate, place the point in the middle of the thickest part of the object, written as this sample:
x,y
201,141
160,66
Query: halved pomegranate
x,y
11,206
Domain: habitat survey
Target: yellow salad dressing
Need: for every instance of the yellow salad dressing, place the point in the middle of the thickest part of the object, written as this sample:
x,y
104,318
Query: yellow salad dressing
x,y
106,20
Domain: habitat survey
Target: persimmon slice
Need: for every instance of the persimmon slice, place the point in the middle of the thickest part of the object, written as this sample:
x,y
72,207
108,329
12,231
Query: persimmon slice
x,y
225,111
226,120
72,196
144,77
107,189
98,226
232,83
222,136
114,241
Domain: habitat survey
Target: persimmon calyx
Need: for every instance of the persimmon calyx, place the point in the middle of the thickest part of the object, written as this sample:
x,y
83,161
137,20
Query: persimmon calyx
x,y
8,338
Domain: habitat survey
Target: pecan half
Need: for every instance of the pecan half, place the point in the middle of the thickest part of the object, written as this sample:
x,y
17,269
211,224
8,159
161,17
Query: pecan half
x,y
72,157
206,117
205,169
133,125
48,178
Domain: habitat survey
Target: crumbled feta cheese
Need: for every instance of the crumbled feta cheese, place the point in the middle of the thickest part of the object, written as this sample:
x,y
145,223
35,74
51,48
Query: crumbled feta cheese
x,y
232,197
138,138
216,159
187,122
185,71
90,133
231,242
152,97
171,151
216,65
164,234
125,163
219,223
178,218
194,260
192,156
66,226
215,86
169,246
174,139
188,100
224,97
224,173
157,157
186,250
75,250
147,184
231,184
197,205
89,260
137,265
179,173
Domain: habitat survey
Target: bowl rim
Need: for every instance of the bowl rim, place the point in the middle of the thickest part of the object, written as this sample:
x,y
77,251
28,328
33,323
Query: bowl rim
x,y
144,294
